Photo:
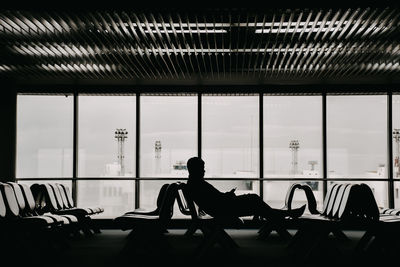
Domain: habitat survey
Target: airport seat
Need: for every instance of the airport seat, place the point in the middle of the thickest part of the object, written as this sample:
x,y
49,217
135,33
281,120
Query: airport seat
x,y
282,226
148,231
212,228
30,235
16,206
159,201
346,206
49,200
66,201
382,238
70,221
184,208
131,220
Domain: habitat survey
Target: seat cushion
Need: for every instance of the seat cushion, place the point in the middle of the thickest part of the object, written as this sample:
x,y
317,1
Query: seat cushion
x,y
35,222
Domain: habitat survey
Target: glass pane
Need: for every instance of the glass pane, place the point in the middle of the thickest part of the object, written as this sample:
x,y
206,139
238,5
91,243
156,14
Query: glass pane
x,y
116,197
102,151
168,135
275,194
230,136
396,135
357,137
380,190
44,136
67,183
293,136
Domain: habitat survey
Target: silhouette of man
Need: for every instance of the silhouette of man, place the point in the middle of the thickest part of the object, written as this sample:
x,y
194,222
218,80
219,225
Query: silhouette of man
x,y
216,203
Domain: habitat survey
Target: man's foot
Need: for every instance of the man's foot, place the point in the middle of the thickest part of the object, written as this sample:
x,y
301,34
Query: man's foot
x,y
296,213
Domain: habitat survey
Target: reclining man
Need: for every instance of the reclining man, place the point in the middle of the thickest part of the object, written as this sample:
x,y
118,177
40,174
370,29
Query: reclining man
x,y
226,204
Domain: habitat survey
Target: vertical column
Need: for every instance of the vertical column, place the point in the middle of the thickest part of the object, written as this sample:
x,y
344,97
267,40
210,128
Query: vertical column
x,y
8,105
137,158
199,124
324,147
261,142
76,149
390,149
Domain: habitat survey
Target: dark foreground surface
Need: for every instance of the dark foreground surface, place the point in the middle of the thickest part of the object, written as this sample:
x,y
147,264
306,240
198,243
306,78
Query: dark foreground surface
x,y
109,249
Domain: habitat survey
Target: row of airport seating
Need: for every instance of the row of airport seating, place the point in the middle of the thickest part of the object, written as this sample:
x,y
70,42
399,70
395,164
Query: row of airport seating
x,y
346,206
39,220
57,199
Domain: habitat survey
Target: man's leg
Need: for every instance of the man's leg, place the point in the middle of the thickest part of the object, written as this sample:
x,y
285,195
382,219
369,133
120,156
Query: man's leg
x,y
252,204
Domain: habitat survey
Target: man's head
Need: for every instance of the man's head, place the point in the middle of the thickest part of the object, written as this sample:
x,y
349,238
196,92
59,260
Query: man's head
x,y
195,167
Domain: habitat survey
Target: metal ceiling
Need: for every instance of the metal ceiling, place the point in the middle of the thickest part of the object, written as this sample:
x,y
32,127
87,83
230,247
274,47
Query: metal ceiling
x,y
208,45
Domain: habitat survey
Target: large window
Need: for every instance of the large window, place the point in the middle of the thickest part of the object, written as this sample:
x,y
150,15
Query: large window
x,y
292,136
106,140
357,136
168,138
228,127
106,136
44,136
168,135
230,141
230,136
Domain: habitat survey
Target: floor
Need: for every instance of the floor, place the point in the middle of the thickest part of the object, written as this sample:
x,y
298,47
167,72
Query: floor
x,y
107,249
111,248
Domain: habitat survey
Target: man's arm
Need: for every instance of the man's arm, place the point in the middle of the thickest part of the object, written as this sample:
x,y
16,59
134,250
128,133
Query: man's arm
x,y
231,193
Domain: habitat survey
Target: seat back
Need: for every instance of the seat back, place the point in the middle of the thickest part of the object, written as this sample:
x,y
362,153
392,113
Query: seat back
x,y
370,208
12,207
340,199
327,199
330,199
2,206
192,208
57,195
359,204
63,197
290,194
167,206
70,200
39,196
350,196
183,203
50,203
18,196
30,204
311,201
160,197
